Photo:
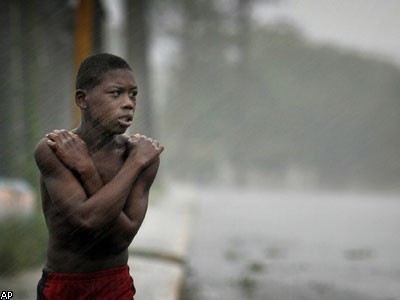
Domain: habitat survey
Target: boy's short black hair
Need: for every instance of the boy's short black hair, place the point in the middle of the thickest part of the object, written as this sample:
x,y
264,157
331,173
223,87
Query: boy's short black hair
x,y
94,66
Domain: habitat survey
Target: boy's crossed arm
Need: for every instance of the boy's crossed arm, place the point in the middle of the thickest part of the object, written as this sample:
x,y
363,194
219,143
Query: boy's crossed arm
x,y
93,205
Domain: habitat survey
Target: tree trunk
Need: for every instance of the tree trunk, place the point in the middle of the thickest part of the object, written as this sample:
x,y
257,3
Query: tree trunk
x,y
138,43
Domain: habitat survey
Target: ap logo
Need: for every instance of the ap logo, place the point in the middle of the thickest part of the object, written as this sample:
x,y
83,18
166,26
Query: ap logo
x,y
6,295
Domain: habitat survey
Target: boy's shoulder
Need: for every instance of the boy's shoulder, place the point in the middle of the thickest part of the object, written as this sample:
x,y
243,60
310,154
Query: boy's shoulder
x,y
45,157
42,147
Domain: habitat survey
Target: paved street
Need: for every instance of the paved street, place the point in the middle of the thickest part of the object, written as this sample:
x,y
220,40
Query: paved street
x,y
263,245
287,245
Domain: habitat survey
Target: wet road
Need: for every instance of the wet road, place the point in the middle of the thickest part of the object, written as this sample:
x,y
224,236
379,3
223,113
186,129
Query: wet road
x,y
286,245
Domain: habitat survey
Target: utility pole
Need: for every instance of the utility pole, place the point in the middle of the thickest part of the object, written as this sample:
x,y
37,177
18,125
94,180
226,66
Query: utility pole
x,y
83,41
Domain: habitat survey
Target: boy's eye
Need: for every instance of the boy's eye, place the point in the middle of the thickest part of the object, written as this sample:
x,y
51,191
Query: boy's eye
x,y
132,94
116,93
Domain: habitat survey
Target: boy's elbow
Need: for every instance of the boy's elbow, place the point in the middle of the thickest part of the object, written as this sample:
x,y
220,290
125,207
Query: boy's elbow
x,y
88,225
94,225
88,222
124,241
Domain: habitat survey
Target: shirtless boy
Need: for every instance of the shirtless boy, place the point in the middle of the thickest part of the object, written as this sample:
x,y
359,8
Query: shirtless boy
x,y
95,183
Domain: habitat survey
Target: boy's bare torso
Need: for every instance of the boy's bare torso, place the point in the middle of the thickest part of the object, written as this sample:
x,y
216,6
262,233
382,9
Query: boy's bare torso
x,y
73,250
95,181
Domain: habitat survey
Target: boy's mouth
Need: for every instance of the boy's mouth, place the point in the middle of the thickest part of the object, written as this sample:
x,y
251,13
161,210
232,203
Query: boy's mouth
x,y
125,121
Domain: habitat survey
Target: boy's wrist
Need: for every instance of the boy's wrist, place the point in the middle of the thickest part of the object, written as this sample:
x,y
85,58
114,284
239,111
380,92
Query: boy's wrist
x,y
135,163
86,168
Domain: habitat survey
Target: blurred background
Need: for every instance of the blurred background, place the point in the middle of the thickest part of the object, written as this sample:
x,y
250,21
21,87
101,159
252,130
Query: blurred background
x,y
285,112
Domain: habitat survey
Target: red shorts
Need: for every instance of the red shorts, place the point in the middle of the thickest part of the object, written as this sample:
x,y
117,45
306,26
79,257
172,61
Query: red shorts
x,y
109,284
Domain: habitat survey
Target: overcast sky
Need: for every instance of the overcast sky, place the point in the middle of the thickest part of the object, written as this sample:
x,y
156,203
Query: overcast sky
x,y
371,26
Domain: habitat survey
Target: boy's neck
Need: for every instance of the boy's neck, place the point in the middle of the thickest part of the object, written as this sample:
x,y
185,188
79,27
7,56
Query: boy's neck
x,y
94,138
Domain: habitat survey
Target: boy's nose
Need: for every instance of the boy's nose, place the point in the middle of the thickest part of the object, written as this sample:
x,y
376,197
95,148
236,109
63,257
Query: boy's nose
x,y
128,103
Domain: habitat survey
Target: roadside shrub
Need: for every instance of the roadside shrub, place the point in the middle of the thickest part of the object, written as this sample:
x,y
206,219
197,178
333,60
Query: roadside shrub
x,y
22,243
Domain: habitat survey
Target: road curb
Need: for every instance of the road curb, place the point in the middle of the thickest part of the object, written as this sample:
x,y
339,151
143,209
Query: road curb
x,y
159,252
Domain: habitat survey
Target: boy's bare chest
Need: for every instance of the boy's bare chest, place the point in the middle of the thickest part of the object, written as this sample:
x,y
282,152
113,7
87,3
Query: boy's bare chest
x,y
108,163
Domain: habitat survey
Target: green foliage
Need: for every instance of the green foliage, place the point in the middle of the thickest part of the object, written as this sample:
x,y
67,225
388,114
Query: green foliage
x,y
22,244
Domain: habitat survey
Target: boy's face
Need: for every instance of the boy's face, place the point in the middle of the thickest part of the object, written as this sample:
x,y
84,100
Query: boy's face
x,y
111,104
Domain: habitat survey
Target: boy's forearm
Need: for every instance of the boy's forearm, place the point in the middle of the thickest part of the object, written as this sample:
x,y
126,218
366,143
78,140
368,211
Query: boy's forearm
x,y
140,191
128,223
120,234
92,183
104,203
98,205
89,178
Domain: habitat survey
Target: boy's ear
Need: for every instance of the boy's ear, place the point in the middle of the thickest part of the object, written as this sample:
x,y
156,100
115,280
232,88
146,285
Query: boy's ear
x,y
80,98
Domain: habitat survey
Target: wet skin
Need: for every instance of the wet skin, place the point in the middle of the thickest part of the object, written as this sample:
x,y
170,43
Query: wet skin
x,y
95,180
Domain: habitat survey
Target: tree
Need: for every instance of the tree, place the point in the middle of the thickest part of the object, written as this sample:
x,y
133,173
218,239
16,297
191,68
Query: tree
x,y
36,84
271,101
138,35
